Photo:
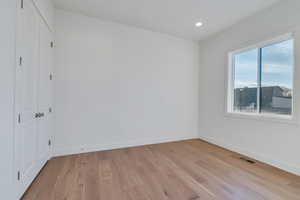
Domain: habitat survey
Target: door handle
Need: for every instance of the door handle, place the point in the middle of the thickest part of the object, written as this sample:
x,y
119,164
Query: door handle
x,y
39,115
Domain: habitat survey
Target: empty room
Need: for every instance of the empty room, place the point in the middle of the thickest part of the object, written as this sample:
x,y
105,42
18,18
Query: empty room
x,y
150,100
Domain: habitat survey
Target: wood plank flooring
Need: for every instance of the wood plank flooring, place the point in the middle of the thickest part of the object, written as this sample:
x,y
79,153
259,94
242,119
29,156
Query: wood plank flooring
x,y
186,170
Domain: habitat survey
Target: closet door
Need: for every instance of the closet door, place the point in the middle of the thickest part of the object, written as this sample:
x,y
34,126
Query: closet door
x,y
45,94
26,95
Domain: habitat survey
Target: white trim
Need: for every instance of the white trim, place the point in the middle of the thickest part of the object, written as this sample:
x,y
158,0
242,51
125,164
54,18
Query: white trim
x,y
263,44
229,112
258,74
265,117
42,15
289,167
70,150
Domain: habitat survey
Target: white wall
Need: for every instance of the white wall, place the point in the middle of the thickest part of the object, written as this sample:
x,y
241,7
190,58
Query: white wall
x,y
272,142
7,58
119,86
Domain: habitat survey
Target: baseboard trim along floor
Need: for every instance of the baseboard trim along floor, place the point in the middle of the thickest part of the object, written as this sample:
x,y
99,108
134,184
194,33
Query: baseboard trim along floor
x,y
262,158
190,169
71,150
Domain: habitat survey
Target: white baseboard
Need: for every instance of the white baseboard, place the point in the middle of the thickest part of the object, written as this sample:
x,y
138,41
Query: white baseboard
x,y
265,159
62,150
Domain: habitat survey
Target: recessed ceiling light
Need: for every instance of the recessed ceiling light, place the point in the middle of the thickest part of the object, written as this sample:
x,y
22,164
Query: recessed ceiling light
x,y
198,24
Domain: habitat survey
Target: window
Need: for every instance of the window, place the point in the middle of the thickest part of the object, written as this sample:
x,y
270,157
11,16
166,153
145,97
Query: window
x,y
261,79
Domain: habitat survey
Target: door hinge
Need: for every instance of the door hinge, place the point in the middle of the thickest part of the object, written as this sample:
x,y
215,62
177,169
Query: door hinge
x,y
49,143
19,176
51,77
20,61
19,118
22,4
52,44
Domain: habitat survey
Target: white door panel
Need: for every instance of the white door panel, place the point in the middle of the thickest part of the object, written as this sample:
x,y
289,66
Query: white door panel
x,y
29,148
26,94
44,93
33,95
43,137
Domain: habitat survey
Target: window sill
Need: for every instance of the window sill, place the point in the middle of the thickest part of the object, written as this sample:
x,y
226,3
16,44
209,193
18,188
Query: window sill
x,y
263,117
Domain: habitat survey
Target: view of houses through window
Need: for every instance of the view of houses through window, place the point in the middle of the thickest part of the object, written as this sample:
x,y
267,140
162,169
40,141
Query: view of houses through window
x,y
263,79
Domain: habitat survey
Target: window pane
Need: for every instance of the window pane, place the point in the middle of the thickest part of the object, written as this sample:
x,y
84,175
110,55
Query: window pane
x,y
277,78
245,81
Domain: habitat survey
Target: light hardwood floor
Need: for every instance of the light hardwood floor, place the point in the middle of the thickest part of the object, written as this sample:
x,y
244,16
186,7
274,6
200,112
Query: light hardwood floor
x,y
187,170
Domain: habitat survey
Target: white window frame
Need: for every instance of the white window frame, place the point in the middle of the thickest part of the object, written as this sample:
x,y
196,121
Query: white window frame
x,y
230,84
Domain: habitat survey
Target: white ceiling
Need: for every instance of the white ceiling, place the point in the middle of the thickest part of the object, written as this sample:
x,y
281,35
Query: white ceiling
x,y
175,17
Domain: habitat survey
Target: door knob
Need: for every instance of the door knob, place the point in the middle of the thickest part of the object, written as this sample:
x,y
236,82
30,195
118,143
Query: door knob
x,y
37,115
